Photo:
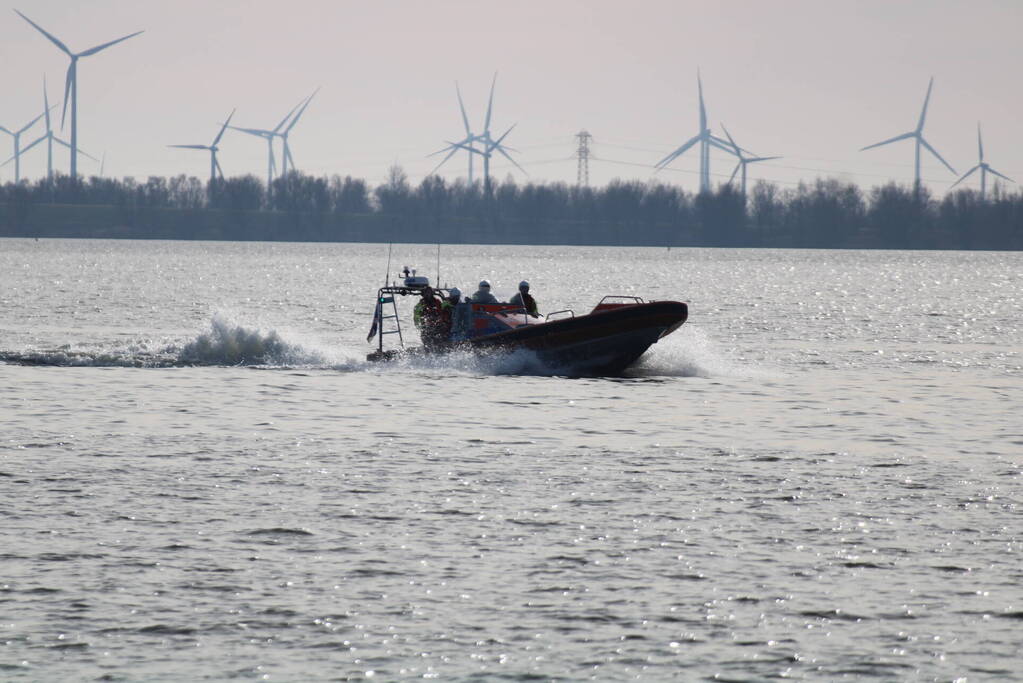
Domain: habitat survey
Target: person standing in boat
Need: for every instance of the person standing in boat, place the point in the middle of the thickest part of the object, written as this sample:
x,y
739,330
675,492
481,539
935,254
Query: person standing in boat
x,y
483,295
429,319
525,299
447,309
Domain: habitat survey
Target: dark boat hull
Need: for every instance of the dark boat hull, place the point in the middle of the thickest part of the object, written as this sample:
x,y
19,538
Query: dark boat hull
x,y
604,342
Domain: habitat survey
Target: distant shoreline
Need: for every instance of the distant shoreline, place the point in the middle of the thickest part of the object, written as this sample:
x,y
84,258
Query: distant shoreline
x,y
827,214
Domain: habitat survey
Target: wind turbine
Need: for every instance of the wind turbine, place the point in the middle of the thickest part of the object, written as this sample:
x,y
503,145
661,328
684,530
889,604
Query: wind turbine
x,y
490,145
984,167
49,137
706,140
213,149
269,135
467,143
743,160
71,84
17,144
918,135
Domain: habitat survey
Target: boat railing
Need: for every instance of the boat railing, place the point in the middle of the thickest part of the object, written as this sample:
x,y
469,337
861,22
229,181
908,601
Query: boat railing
x,y
570,312
633,299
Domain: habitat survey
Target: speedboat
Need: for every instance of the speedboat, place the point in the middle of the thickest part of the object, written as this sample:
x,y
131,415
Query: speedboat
x,y
605,341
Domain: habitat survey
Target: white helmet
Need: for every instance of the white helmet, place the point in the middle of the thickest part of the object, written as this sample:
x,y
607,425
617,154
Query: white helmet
x,y
484,284
455,292
523,285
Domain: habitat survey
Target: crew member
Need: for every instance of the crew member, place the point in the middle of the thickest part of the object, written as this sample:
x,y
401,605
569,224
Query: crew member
x,y
525,299
428,317
483,295
448,309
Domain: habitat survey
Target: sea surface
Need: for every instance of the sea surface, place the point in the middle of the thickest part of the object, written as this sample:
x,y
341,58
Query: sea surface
x,y
818,477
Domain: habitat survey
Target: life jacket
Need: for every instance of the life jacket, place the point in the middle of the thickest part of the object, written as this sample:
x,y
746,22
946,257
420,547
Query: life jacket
x,y
427,312
528,303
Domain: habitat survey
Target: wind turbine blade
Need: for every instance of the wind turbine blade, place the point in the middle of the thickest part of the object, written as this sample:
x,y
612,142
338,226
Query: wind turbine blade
x,y
67,91
300,112
678,152
990,170
439,151
34,143
216,162
714,142
61,142
980,144
703,109
508,157
104,46
461,106
30,123
490,105
964,176
935,153
287,154
46,105
454,148
711,136
755,159
223,128
86,154
189,146
22,151
6,131
923,112
497,143
53,39
904,136
259,133
293,110
460,145
735,147
735,170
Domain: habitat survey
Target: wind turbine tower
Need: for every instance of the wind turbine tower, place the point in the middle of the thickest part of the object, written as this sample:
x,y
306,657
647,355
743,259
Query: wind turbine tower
x,y
71,83
984,167
918,135
705,139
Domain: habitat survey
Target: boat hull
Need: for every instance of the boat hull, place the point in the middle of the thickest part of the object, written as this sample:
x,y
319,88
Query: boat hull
x,y
603,342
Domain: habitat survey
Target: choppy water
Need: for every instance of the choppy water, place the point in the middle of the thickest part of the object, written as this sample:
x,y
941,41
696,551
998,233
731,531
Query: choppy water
x,y
818,477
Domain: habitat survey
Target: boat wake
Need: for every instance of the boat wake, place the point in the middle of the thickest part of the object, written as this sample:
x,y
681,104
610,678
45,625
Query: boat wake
x,y
227,344
224,343
691,352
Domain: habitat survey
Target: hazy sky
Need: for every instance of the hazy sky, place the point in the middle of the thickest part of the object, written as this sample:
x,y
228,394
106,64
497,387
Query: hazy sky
x,y
813,81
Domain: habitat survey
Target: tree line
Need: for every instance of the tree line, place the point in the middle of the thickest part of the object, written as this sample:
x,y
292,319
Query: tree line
x,y
825,213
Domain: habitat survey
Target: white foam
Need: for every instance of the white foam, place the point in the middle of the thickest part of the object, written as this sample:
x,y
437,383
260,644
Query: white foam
x,y
691,352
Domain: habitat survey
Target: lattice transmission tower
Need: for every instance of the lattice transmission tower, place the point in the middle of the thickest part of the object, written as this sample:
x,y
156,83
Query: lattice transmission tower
x,y
582,176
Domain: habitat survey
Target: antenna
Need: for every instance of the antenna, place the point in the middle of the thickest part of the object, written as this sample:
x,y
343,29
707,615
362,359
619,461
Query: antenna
x,y
438,265
582,174
387,273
